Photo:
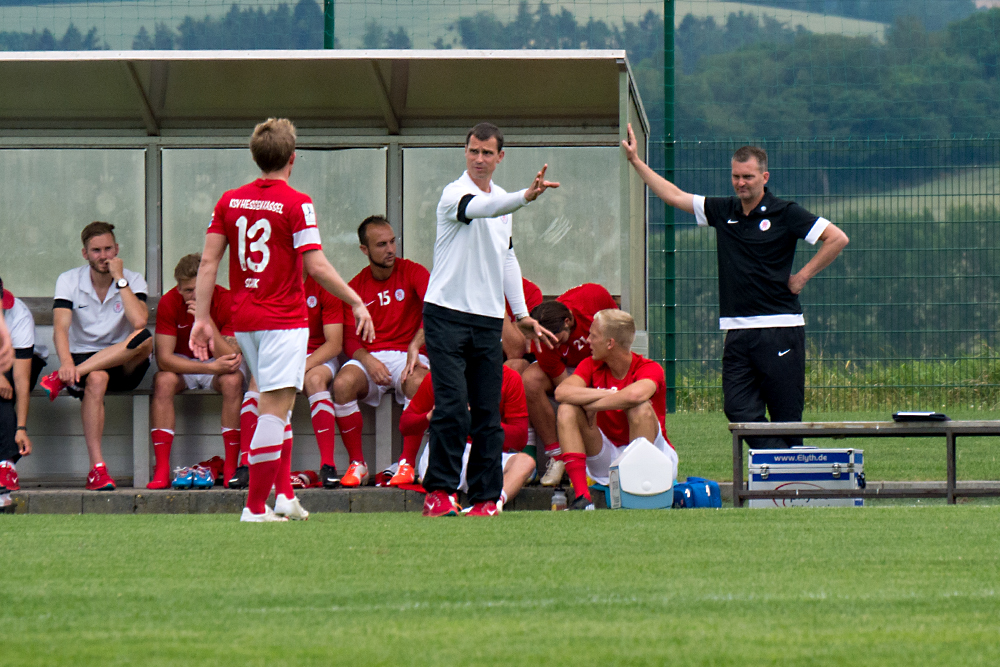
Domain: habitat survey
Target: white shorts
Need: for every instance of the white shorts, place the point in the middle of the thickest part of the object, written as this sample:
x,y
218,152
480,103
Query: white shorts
x,y
277,358
463,485
599,467
395,361
194,381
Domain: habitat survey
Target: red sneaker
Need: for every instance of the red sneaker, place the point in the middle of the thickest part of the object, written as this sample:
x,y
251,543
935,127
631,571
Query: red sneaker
x,y
439,503
99,479
489,508
52,384
8,477
405,474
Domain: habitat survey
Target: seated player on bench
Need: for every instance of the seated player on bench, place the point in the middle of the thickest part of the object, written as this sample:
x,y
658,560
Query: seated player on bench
x,y
180,371
613,397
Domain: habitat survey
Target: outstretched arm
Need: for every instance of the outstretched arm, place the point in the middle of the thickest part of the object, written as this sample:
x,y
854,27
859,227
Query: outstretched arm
x,y
660,186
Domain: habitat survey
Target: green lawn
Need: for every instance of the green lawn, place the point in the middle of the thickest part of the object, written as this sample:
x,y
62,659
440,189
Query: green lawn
x,y
816,586
705,448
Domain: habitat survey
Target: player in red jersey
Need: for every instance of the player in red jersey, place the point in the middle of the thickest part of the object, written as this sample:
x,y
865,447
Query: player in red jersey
x,y
569,317
613,397
515,346
271,230
517,466
179,370
393,288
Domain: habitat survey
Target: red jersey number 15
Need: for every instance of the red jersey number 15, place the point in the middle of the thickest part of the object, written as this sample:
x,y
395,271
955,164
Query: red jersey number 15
x,y
261,227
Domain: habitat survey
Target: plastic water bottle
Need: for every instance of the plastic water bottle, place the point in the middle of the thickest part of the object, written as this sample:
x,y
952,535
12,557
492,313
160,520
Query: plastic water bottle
x,y
558,500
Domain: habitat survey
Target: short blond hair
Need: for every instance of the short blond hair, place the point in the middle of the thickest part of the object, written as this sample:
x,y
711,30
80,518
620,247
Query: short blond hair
x,y
272,144
617,325
187,267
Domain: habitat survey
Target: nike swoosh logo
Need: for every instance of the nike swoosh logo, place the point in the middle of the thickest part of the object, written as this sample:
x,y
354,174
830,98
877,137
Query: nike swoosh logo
x,y
183,326
781,354
348,430
370,302
322,430
82,306
732,222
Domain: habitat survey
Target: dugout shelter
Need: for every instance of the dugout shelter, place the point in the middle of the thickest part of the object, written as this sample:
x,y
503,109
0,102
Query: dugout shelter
x,y
149,140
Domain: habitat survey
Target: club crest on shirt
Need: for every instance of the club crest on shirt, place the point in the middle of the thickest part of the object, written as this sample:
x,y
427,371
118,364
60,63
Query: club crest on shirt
x,y
400,294
311,302
119,307
765,225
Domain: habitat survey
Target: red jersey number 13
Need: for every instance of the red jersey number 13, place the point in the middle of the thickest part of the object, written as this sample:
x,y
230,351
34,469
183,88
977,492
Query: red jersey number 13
x,y
261,227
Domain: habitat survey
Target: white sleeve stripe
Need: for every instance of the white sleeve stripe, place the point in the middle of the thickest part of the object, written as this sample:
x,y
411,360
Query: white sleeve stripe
x,y
306,237
699,210
817,230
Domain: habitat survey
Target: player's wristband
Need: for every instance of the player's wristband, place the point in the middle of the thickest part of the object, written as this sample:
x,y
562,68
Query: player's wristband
x,y
22,428
518,318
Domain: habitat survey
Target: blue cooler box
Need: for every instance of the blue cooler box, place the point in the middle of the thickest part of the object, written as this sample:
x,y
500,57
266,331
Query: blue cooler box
x,y
806,469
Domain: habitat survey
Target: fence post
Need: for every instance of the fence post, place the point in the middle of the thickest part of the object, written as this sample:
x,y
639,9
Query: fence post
x,y
328,22
669,285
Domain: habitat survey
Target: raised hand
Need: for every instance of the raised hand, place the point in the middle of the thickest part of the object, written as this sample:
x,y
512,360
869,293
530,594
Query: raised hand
x,y
539,185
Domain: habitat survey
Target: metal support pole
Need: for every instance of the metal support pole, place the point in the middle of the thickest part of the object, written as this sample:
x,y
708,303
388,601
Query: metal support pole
x,y
329,41
737,470
669,285
952,473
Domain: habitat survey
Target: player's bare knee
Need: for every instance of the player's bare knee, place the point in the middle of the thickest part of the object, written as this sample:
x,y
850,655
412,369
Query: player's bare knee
x,y
536,382
97,384
164,383
231,385
641,414
568,414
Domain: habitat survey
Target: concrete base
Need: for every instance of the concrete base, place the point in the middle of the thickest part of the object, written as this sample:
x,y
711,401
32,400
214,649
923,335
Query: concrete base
x,y
126,500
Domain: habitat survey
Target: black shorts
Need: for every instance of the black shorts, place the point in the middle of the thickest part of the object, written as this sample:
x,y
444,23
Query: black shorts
x,y
118,379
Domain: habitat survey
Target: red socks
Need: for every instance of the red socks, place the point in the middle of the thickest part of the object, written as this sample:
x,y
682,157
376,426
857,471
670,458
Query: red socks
x,y
248,424
265,460
231,443
324,421
349,421
553,450
576,468
163,440
283,483
411,445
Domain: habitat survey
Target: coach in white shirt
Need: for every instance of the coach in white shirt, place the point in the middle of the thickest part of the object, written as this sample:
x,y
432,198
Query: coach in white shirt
x,y
99,330
474,268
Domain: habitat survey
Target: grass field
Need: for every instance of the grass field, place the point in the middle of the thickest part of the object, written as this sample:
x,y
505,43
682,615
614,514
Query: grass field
x,y
823,586
705,448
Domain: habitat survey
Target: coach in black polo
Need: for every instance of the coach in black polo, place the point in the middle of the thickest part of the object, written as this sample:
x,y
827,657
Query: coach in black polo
x,y
763,364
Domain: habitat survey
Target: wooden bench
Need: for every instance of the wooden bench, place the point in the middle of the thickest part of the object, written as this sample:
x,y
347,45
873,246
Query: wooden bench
x,y
949,430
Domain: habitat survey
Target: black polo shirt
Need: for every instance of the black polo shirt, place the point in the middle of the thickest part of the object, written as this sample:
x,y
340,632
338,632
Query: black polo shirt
x,y
755,254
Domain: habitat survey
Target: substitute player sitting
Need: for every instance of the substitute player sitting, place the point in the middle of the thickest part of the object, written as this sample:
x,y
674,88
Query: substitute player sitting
x,y
180,371
569,317
613,397
393,289
517,466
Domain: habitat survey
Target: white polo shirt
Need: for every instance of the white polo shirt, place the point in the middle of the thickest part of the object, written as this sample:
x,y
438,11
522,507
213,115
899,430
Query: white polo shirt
x,y
21,325
96,324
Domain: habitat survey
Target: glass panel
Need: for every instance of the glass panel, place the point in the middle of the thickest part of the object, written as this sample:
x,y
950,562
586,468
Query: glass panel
x,y
51,195
569,236
346,186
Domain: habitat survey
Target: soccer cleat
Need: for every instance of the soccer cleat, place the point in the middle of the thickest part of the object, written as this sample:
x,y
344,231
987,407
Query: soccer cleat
x,y
489,508
8,477
267,517
581,503
240,478
183,478
405,474
554,471
329,477
52,384
99,479
439,503
357,475
289,507
202,478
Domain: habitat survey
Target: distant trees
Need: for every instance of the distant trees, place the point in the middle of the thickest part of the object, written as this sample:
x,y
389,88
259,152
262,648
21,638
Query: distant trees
x,y
72,40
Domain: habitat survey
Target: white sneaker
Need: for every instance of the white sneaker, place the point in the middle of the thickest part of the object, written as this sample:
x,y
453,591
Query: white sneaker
x,y
554,471
289,507
267,517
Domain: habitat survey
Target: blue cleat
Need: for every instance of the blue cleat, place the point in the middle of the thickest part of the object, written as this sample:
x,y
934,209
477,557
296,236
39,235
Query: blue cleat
x,y
183,478
202,478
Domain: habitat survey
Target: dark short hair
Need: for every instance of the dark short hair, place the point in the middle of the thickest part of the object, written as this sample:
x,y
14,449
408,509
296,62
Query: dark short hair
x,y
187,267
744,153
272,144
552,315
368,222
484,132
96,228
